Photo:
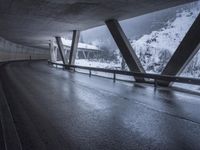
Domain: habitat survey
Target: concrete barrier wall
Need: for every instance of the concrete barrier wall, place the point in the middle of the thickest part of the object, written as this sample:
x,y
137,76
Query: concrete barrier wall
x,y
13,51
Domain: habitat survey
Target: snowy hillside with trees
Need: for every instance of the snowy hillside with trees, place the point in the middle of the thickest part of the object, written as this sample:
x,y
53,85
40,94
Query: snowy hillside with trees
x,y
155,50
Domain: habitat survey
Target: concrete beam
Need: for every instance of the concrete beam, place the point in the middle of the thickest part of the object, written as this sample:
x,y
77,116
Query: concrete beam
x,y
184,53
125,48
61,50
74,47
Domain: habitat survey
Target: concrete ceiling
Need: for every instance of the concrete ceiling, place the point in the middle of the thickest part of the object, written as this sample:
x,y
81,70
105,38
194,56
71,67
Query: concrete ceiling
x,y
35,22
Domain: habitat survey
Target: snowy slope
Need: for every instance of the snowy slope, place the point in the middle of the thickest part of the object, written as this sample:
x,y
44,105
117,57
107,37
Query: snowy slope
x,y
155,49
97,64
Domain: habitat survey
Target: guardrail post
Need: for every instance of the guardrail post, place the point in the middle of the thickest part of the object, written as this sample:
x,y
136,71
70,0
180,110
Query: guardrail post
x,y
114,76
90,73
155,83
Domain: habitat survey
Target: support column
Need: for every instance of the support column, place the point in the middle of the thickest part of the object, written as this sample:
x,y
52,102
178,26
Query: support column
x,y
88,55
53,52
125,48
68,54
184,53
61,50
84,55
74,47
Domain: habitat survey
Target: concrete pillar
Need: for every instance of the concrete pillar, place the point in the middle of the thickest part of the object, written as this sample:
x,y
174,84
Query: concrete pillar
x,y
61,50
88,55
74,47
84,55
68,54
53,52
184,53
125,48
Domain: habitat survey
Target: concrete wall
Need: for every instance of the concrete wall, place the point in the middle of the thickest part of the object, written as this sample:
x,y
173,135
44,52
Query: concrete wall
x,y
12,51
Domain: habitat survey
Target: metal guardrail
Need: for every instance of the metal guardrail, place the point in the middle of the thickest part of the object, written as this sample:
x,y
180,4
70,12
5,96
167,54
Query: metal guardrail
x,y
156,78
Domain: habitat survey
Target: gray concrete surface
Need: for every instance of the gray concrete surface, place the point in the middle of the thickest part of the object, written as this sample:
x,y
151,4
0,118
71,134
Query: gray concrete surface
x,y
35,22
9,139
13,51
58,110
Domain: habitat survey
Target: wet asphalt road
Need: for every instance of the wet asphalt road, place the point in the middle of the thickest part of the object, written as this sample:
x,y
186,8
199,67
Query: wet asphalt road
x,y
58,110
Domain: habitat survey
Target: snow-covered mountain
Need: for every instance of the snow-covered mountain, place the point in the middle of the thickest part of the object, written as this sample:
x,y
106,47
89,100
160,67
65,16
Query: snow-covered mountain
x,y
155,49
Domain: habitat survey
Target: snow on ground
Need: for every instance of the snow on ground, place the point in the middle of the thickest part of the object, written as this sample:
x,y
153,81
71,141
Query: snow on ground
x,y
106,65
97,64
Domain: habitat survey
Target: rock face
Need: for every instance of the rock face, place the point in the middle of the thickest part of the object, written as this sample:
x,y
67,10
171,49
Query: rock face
x,y
155,50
